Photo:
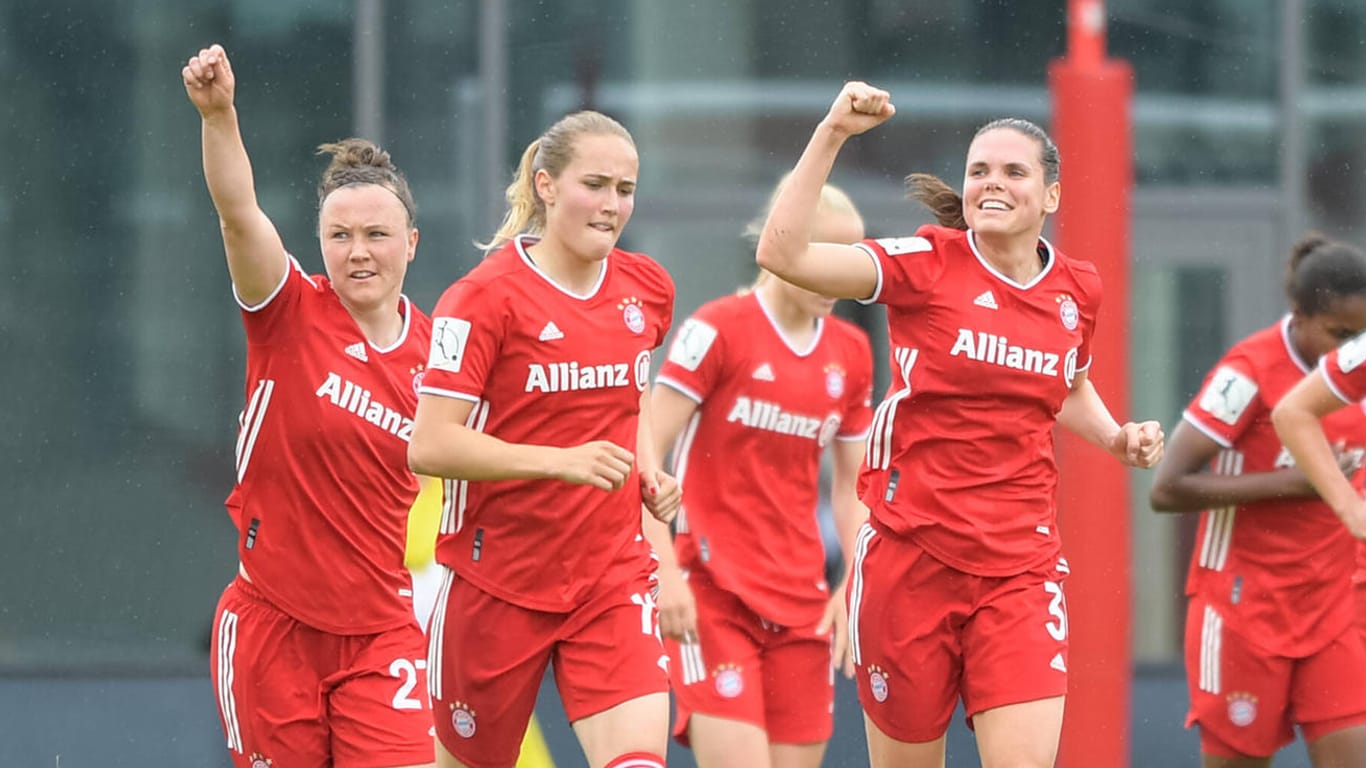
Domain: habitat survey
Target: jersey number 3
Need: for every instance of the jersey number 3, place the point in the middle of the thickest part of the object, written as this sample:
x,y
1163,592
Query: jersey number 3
x,y
1057,609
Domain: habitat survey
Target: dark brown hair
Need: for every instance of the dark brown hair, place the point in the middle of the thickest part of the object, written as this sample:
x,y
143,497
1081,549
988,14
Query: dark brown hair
x,y
1320,271
359,161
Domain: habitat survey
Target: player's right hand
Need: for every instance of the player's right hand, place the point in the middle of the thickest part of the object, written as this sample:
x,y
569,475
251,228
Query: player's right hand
x,y
677,607
601,464
858,108
209,81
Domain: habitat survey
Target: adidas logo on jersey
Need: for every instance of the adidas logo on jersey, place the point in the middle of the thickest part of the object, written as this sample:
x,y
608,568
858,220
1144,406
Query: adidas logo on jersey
x,y
764,373
1057,663
986,300
357,351
551,332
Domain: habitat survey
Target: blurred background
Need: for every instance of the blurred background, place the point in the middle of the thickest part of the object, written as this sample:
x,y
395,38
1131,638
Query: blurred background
x,y
122,348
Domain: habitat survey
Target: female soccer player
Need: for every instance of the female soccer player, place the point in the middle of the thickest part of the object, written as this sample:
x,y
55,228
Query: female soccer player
x,y
957,582
317,655
1270,642
755,388
535,408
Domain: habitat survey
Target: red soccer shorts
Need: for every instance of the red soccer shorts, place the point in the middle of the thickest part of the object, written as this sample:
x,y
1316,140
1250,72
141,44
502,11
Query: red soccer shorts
x,y
923,634
745,668
1360,592
1248,701
488,657
296,696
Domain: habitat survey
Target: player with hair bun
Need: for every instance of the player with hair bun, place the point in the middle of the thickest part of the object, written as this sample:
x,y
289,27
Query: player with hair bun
x,y
316,653
1270,643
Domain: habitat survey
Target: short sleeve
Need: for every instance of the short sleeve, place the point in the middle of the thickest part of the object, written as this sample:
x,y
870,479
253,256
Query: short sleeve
x,y
1228,401
1343,369
468,329
271,318
907,267
696,358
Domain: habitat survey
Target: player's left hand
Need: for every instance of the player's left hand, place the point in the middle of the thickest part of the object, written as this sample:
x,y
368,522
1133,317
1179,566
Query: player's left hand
x,y
1139,444
836,620
661,494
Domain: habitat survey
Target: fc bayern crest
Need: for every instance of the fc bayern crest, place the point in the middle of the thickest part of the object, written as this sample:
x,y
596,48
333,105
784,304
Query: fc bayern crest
x,y
418,374
631,313
462,720
1067,310
729,682
877,683
259,760
1242,709
834,382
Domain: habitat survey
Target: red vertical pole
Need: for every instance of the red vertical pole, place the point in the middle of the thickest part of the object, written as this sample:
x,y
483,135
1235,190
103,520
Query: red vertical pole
x,y
1092,127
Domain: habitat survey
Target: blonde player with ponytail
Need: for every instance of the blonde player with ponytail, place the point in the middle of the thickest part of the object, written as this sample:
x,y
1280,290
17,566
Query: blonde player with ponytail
x,y
534,409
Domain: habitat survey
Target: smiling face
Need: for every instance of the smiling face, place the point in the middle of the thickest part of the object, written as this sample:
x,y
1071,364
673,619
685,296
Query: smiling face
x,y
588,204
366,244
1005,191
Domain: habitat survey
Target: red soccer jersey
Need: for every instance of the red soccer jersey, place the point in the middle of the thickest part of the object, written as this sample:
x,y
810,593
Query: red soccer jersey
x,y
749,459
1278,570
547,367
960,453
323,485
1342,369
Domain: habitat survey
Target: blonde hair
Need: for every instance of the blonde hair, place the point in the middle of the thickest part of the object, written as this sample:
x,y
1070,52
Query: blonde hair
x,y
832,200
551,152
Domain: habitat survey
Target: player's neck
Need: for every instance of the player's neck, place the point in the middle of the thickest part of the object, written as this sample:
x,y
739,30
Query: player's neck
x,y
1015,256
797,325
569,271
381,324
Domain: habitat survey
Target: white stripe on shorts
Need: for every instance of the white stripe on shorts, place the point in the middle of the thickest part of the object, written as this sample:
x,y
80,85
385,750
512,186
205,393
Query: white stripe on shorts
x,y
1211,643
436,634
694,669
227,703
865,537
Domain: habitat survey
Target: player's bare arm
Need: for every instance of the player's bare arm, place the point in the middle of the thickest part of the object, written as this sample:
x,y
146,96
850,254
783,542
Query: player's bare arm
x,y
1297,421
1135,444
670,411
442,446
849,514
785,246
1182,483
659,490
255,253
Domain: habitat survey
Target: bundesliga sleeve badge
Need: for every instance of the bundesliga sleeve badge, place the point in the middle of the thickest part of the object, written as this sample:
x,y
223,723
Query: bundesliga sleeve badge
x,y
449,336
691,343
1228,395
